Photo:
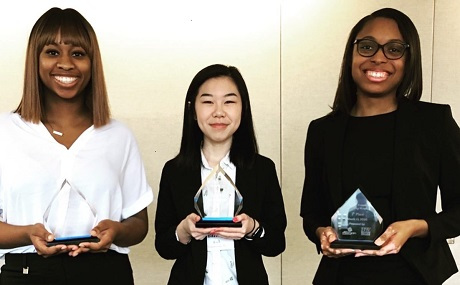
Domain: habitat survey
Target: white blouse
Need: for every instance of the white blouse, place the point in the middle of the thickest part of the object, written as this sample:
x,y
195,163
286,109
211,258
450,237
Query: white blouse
x,y
218,198
104,164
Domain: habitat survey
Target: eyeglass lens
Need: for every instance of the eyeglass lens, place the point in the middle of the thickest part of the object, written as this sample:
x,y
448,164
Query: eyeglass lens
x,y
392,50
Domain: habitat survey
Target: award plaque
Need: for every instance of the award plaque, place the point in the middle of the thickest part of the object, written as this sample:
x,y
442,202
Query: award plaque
x,y
218,200
69,216
356,223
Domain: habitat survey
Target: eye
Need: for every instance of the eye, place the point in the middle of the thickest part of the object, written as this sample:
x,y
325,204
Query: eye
x,y
230,102
51,52
366,46
78,52
395,48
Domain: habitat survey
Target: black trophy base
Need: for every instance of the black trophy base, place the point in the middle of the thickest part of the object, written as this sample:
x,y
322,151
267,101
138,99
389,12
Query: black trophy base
x,y
217,223
354,244
72,240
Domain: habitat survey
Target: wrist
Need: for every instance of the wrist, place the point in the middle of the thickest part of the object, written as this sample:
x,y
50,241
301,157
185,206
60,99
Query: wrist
x,y
254,226
258,232
420,228
182,235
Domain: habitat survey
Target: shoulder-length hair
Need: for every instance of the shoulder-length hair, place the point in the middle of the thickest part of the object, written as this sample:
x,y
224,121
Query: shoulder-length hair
x,y
73,29
244,144
411,85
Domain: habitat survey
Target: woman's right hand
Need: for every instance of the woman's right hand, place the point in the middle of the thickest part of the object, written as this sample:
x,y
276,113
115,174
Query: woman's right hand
x,y
39,236
326,236
187,230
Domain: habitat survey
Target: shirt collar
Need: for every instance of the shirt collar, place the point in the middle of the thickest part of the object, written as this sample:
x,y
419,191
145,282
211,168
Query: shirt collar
x,y
225,163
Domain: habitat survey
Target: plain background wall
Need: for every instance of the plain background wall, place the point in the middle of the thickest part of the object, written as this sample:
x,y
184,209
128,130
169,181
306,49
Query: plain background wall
x,y
289,53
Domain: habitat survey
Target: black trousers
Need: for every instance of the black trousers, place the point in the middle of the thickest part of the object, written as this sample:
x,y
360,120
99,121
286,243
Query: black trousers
x,y
87,268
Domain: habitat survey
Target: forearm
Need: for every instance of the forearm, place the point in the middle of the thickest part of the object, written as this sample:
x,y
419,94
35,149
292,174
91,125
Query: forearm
x,y
132,230
419,228
14,236
182,234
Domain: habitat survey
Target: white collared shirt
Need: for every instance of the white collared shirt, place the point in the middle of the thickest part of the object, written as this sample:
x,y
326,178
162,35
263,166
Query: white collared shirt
x,y
103,163
218,198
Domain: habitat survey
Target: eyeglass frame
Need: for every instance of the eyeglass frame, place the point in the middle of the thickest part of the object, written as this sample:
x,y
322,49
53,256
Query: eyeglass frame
x,y
379,46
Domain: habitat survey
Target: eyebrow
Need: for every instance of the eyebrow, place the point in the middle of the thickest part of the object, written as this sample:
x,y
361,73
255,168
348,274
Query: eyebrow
x,y
62,43
389,41
210,95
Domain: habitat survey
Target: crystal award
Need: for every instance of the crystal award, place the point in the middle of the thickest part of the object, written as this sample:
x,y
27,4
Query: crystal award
x,y
218,200
69,216
356,223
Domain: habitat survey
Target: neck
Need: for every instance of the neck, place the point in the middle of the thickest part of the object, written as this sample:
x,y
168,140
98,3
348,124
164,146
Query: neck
x,y
64,113
367,106
66,118
214,153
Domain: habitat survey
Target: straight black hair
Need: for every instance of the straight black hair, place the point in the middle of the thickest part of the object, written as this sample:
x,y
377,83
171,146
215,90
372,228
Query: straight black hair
x,y
244,144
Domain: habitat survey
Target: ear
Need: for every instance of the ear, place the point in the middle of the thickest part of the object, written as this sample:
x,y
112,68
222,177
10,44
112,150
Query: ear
x,y
189,108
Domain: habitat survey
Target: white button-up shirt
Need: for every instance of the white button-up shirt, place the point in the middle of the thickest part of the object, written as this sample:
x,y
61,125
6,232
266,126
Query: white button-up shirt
x,y
218,200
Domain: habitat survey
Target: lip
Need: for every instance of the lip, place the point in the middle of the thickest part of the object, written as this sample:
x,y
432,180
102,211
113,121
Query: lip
x,y
219,125
65,80
376,75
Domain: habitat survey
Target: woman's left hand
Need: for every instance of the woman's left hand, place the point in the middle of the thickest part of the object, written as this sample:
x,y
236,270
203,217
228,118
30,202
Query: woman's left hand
x,y
395,236
248,225
105,231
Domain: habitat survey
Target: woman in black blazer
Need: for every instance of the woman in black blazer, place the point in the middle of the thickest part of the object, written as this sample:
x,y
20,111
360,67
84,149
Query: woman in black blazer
x,y
396,149
218,130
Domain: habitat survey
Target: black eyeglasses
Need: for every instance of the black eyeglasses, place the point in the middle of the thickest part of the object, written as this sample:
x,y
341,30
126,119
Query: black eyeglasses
x,y
391,50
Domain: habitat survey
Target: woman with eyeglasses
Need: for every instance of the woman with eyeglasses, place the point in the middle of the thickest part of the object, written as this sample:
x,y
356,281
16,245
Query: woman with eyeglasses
x,y
380,138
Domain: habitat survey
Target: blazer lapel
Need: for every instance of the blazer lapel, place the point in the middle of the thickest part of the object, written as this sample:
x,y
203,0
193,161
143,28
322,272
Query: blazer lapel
x,y
405,137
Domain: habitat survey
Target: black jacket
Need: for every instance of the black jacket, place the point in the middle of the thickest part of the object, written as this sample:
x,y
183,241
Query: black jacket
x,y
427,156
262,200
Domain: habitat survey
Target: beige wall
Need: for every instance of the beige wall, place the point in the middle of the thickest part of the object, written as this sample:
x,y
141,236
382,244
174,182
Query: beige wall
x,y
289,52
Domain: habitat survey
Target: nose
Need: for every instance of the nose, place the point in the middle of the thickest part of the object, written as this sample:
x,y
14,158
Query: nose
x,y
379,56
65,62
219,112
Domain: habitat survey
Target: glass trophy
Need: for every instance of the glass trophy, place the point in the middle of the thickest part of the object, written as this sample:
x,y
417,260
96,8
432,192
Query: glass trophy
x,y
356,223
69,216
218,200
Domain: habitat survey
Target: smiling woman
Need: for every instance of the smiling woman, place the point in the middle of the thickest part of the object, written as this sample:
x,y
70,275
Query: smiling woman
x,y
218,111
85,190
381,139
218,133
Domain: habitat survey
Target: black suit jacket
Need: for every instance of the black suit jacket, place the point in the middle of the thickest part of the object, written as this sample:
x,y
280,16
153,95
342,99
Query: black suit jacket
x,y
262,200
427,156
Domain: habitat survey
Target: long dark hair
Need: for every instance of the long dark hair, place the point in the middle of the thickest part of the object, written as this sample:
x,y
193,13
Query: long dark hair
x,y
411,86
244,144
76,30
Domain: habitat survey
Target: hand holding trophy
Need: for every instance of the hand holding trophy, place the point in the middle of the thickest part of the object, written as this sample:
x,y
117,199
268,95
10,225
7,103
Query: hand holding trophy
x,y
218,200
70,217
356,223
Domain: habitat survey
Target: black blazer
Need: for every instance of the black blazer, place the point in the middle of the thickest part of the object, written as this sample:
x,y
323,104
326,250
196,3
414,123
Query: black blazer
x,y
262,200
427,156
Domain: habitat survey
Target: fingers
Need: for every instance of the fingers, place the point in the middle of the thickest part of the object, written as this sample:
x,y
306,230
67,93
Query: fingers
x,y
390,232
327,236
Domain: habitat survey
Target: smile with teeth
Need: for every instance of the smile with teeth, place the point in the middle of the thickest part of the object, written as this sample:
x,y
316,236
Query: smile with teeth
x,y
377,74
65,79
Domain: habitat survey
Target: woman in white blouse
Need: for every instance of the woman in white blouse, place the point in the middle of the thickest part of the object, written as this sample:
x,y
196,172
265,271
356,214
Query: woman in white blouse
x,y
66,168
